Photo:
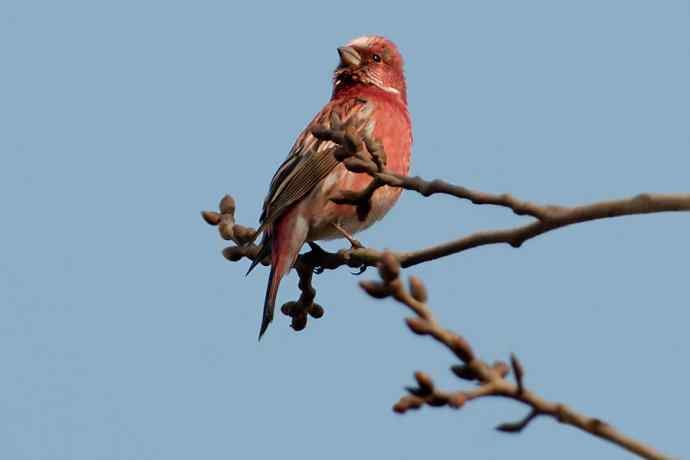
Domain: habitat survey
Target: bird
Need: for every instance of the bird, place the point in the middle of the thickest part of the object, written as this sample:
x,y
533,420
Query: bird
x,y
368,87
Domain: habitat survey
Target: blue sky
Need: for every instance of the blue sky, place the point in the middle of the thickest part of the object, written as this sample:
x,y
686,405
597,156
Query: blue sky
x,y
124,333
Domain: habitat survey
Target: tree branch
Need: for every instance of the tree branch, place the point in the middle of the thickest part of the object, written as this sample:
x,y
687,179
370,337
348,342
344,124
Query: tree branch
x,y
363,155
317,260
553,217
492,379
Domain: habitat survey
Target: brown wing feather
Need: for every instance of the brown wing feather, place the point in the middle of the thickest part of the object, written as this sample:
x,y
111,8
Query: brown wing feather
x,y
302,179
309,162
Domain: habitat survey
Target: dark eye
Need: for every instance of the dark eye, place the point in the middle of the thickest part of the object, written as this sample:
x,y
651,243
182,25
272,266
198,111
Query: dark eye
x,y
376,58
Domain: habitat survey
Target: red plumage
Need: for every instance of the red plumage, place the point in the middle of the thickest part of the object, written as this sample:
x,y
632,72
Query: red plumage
x,y
369,84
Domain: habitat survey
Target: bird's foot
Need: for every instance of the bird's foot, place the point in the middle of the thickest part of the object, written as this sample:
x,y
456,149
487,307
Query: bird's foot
x,y
362,269
316,249
355,244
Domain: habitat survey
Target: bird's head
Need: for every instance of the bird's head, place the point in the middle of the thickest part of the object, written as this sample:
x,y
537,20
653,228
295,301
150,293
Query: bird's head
x,y
370,60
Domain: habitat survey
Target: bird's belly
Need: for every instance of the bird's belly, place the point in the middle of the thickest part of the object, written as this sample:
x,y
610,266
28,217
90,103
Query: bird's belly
x,y
326,213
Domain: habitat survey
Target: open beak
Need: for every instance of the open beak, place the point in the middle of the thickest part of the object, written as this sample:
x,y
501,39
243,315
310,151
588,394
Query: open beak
x,y
349,57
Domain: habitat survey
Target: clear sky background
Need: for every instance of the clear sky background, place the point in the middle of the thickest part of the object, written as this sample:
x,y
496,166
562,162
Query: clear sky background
x,y
125,335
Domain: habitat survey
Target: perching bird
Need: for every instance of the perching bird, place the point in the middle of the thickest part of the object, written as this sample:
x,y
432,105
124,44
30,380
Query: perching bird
x,y
368,84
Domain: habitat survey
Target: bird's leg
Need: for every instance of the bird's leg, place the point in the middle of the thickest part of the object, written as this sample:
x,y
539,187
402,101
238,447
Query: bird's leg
x,y
316,249
353,242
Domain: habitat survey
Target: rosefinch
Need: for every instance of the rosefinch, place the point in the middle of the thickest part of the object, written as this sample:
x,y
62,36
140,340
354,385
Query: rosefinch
x,y
369,85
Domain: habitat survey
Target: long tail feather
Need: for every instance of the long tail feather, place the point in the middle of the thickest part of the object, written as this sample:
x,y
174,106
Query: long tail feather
x,y
284,241
270,301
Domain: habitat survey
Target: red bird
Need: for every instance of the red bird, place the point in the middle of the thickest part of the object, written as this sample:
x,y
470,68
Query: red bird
x,y
369,85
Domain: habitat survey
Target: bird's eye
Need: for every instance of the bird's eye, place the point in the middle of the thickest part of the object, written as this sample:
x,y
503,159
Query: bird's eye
x,y
376,58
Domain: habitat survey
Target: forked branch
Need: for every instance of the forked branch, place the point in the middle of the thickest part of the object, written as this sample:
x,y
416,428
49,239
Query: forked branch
x,y
491,378
364,155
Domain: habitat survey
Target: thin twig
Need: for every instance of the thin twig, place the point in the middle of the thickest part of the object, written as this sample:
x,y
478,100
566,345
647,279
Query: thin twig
x,y
492,380
645,203
640,204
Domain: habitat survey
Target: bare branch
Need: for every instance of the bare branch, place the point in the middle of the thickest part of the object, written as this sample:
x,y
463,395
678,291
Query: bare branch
x,y
361,257
548,217
364,155
558,217
492,379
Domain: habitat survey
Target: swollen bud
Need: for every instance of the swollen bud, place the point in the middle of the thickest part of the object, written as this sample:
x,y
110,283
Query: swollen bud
x,y
408,402
211,218
316,311
227,205
375,289
461,348
400,407
418,325
426,385
464,372
389,267
299,322
233,253
243,234
288,308
518,370
418,290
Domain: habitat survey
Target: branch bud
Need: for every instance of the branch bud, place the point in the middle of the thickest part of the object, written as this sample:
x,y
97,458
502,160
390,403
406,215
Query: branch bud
x,y
375,289
389,267
418,326
233,253
299,322
243,234
316,311
418,290
426,385
211,218
288,308
464,372
517,370
408,402
227,205
461,348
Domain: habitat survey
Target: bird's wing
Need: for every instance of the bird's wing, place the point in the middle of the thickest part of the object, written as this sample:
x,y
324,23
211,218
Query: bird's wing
x,y
309,160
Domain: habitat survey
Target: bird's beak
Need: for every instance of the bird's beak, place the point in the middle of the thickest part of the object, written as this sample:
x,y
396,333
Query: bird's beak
x,y
349,57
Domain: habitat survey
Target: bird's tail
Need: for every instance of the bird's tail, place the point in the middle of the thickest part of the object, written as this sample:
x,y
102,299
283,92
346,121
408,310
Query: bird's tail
x,y
270,300
287,236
